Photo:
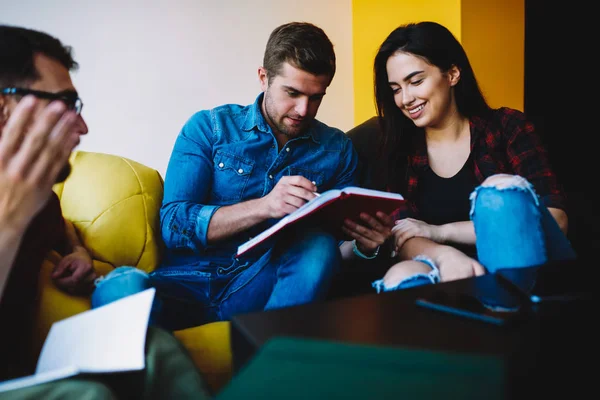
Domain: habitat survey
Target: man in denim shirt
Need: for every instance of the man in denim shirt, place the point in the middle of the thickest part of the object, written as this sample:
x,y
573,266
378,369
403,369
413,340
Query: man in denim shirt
x,y
237,170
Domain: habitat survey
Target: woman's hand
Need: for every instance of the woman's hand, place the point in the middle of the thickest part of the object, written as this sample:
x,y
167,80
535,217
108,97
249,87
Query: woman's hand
x,y
407,228
371,233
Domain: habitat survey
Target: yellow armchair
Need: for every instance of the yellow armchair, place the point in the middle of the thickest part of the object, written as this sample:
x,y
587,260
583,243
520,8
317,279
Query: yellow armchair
x,y
114,204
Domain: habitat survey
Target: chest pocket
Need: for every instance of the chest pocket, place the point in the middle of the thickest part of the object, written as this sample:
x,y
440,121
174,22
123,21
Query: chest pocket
x,y
231,176
318,178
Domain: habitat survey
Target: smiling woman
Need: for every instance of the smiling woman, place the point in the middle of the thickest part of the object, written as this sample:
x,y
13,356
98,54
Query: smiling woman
x,y
480,190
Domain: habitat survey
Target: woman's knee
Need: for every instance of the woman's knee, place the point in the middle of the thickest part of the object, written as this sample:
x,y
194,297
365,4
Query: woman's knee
x,y
506,181
503,193
406,274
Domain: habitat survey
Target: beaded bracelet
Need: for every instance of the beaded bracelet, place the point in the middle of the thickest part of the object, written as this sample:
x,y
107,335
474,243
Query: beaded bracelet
x,y
359,253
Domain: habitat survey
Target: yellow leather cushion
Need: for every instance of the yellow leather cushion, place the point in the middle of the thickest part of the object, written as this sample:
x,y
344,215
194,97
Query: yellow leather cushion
x,y
209,345
114,203
54,304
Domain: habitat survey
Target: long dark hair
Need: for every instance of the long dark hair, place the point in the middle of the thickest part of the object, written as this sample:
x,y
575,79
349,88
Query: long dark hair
x,y
435,44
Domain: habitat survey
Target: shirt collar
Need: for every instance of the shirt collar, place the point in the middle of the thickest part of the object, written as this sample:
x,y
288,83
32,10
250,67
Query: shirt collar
x,y
254,119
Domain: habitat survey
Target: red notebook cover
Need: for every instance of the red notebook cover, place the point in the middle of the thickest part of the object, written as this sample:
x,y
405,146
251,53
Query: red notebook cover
x,y
329,211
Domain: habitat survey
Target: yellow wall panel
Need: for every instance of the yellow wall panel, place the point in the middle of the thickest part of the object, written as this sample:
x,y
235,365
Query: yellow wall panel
x,y
491,31
493,35
373,20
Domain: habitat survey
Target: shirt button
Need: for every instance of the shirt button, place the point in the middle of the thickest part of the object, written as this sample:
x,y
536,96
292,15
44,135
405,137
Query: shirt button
x,y
221,165
241,171
287,149
270,176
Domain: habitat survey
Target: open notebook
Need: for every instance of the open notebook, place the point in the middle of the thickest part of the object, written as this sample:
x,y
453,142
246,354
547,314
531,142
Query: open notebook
x,y
329,210
110,338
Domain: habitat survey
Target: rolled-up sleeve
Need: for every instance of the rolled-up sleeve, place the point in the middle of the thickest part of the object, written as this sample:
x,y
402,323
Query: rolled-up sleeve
x,y
184,214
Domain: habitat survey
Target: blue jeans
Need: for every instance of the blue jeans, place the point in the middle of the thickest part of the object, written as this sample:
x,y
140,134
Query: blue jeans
x,y
122,282
513,230
297,270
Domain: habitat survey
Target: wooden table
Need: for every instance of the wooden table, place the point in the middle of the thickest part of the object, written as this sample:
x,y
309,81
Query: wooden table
x,y
549,351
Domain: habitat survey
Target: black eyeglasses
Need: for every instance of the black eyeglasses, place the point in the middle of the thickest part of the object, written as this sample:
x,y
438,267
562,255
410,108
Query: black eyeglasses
x,y
71,99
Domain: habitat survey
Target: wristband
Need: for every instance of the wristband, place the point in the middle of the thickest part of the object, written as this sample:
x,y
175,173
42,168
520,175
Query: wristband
x,y
359,253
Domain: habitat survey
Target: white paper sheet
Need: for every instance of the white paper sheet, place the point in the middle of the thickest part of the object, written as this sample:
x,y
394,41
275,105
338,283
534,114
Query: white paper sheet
x,y
107,339
37,379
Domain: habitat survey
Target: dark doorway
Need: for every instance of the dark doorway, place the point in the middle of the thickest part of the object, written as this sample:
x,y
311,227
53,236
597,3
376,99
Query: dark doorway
x,y
559,75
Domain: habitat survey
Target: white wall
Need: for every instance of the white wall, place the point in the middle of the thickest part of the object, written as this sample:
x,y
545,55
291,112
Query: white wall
x,y
147,66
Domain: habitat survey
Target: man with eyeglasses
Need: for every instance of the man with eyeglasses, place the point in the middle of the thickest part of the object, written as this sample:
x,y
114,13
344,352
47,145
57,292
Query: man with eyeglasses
x,y
39,67
69,97
40,124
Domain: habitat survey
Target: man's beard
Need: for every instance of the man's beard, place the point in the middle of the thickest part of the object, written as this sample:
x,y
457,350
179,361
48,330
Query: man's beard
x,y
64,173
280,126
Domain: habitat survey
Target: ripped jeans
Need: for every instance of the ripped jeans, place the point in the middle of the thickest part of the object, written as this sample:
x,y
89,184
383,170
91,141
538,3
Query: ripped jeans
x,y
513,230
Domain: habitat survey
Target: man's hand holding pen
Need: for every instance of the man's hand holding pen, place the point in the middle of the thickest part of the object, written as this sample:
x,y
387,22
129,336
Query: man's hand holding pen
x,y
289,194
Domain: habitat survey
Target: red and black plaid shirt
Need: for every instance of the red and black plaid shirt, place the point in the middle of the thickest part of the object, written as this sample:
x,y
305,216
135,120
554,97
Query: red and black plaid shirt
x,y
504,142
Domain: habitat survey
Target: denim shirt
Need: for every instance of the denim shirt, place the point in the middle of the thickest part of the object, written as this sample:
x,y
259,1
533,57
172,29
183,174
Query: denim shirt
x,y
228,155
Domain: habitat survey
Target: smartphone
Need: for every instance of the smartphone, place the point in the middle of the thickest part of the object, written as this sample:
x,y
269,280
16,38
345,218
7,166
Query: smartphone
x,y
472,307
563,281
